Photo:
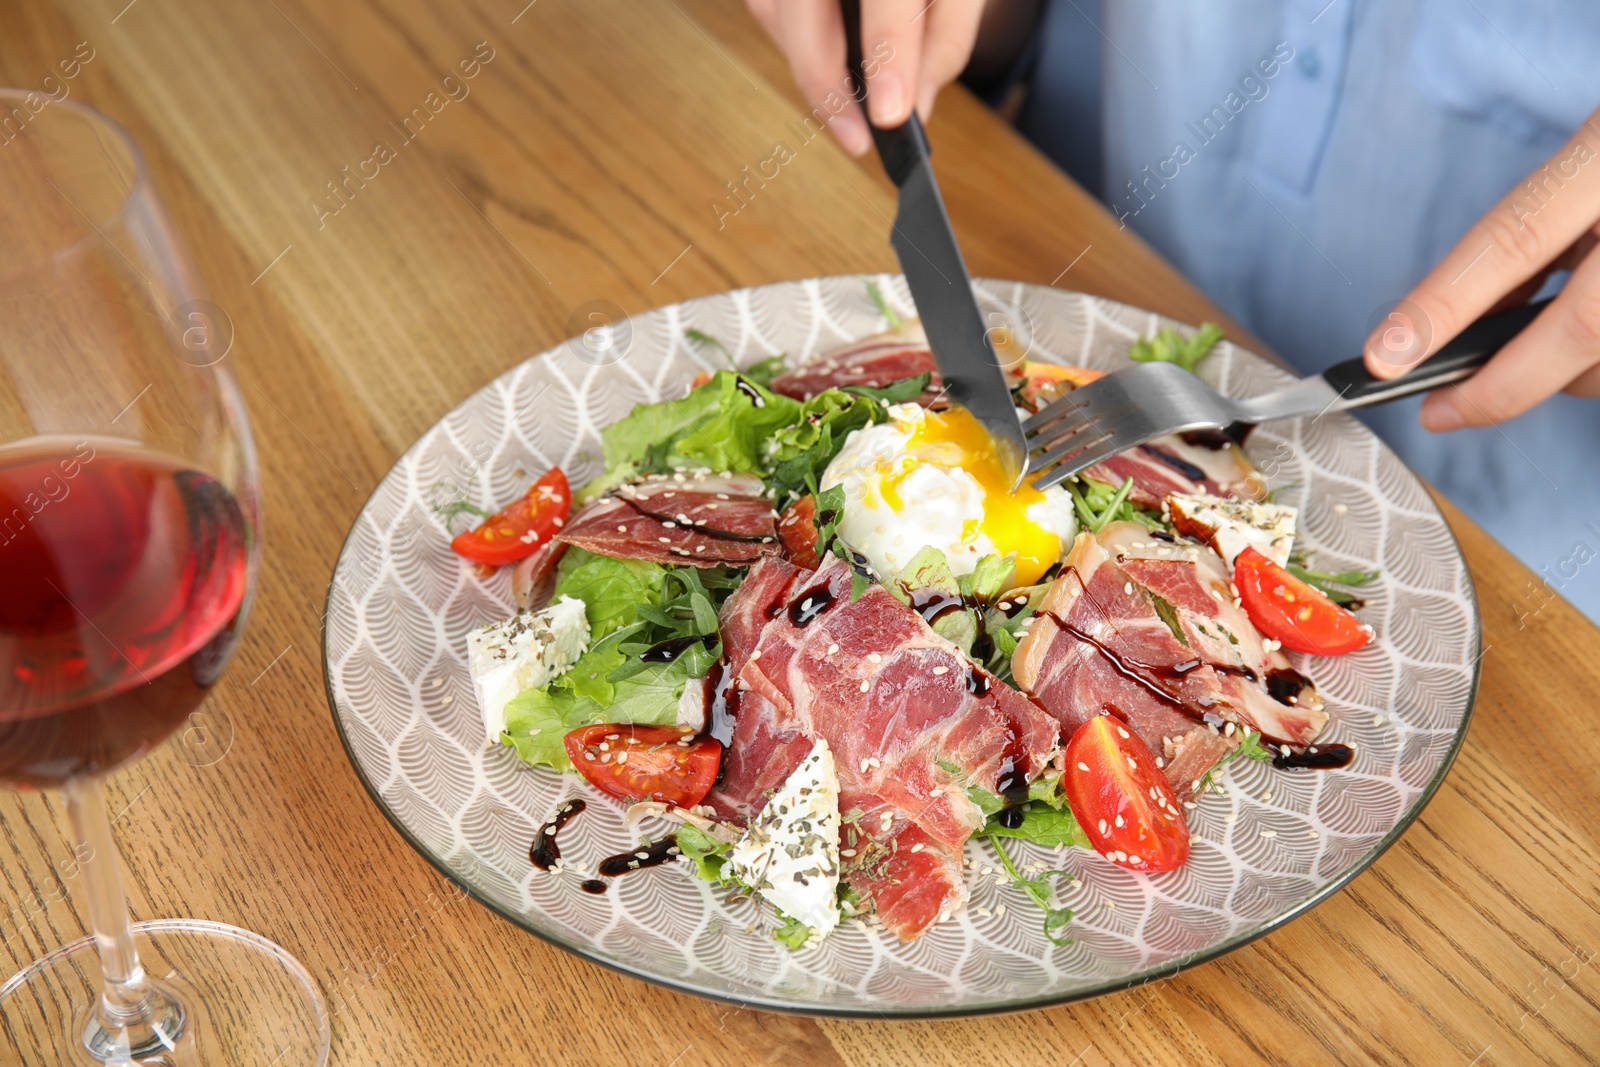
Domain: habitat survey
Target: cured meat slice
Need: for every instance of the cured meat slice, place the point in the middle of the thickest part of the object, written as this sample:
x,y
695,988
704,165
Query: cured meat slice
x,y
913,880
874,361
614,527
762,755
911,720
731,515
1148,631
698,519
1182,463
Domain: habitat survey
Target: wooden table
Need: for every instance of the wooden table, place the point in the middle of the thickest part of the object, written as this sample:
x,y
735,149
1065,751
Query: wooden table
x,y
587,160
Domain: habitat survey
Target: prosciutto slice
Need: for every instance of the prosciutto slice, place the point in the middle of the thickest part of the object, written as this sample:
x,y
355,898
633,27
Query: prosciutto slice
x,y
911,720
1182,463
874,361
1108,639
697,519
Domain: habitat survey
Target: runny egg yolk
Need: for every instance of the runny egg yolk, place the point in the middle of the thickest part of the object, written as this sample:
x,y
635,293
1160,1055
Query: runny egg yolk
x,y
954,438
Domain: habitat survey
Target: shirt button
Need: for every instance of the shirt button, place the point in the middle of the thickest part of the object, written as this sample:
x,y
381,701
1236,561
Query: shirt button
x,y
1309,63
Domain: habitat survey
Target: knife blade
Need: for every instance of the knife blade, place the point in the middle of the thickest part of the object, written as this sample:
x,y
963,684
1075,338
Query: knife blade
x,y
937,275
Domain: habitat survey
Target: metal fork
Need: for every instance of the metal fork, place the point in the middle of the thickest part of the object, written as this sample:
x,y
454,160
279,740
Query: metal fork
x,y
1129,407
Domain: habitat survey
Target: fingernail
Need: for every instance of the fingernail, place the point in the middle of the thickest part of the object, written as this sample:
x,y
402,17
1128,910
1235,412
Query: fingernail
x,y
851,132
886,99
1440,415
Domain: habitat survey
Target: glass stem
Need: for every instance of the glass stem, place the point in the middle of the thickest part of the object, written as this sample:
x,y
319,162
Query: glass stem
x,y
125,998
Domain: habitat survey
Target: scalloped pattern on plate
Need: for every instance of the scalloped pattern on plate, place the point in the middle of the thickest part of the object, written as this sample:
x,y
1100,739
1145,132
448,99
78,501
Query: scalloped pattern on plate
x,y
1272,844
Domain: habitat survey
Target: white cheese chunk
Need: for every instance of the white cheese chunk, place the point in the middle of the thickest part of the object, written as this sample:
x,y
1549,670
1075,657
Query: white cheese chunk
x,y
522,652
790,854
1231,526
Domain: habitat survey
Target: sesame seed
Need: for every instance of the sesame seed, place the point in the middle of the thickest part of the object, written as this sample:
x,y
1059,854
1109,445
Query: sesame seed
x,y
1082,766
1119,821
1379,720
1122,731
1227,731
445,702
1160,762
1127,587
1102,826
1267,795
865,685
918,847
865,763
1269,833
1339,509
665,540
941,670
1132,765
669,524
873,657
832,649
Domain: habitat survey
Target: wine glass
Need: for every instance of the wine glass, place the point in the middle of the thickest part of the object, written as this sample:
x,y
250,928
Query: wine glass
x,y
128,550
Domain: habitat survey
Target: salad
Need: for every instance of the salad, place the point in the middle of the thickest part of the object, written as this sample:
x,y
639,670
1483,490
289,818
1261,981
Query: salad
x,y
801,615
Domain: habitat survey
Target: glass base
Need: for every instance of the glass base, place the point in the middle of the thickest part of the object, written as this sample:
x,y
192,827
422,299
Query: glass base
x,y
237,1000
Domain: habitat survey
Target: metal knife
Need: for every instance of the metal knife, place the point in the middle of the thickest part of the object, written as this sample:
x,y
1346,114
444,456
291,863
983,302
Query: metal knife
x,y
937,276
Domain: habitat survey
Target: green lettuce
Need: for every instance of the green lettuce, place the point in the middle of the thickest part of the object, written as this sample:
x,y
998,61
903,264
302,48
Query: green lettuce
x,y
611,589
800,452
708,855
793,932
723,424
1169,346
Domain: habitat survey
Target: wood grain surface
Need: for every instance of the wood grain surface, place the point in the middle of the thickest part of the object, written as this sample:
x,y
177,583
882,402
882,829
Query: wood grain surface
x,y
587,158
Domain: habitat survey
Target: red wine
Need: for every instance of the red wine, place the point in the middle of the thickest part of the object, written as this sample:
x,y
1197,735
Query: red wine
x,y
123,578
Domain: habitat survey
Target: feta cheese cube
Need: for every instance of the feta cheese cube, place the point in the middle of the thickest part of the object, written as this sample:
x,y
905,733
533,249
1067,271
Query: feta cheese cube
x,y
1231,526
790,853
522,652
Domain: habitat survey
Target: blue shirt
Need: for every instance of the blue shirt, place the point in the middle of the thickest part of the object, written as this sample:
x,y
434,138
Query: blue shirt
x,y
1306,162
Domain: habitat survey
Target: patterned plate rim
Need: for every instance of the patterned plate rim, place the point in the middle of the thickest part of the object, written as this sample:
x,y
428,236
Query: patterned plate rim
x,y
1161,972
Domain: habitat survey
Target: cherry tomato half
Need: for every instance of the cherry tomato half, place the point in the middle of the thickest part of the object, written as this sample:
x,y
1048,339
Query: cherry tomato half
x,y
1122,799
522,527
1293,613
797,529
631,762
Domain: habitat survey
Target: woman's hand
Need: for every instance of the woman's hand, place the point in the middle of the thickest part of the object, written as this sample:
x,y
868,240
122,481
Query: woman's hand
x,y
921,46
1549,222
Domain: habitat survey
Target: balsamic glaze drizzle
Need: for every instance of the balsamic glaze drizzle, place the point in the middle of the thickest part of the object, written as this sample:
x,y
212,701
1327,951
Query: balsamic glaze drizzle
x,y
545,853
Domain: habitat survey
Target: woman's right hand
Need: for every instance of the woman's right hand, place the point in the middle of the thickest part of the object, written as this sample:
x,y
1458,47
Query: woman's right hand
x,y
919,47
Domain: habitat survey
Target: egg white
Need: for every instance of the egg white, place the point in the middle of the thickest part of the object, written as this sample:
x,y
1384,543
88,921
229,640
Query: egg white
x,y
941,504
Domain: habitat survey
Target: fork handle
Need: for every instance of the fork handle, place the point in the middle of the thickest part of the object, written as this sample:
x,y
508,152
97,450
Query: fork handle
x,y
1471,349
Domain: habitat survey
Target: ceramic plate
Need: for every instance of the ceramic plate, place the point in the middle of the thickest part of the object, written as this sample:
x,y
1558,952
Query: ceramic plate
x,y
400,606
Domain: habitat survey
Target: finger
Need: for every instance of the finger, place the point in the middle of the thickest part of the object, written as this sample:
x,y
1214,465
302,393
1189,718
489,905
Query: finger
x,y
1519,236
811,34
946,46
1586,384
1560,346
891,56
766,13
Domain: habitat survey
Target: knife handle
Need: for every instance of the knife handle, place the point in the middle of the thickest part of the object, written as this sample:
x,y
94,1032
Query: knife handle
x,y
902,147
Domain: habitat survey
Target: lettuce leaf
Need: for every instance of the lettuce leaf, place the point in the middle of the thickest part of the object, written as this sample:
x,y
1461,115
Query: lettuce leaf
x,y
800,452
538,719
793,932
723,424
708,855
612,590
1168,346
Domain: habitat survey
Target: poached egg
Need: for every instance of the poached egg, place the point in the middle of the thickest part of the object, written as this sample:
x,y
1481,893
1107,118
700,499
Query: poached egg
x,y
934,478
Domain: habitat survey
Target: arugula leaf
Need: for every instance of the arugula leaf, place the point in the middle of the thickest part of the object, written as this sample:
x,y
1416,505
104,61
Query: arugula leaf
x,y
1330,583
888,313
1039,889
798,454
767,369
1168,615
1249,746
705,340
1168,346
900,391
830,511
708,855
793,932
1099,504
